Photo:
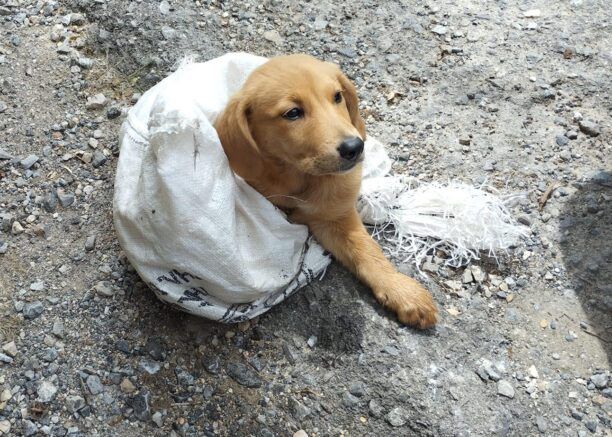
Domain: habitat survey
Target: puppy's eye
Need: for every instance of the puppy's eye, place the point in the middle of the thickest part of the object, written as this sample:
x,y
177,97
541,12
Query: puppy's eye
x,y
293,114
338,97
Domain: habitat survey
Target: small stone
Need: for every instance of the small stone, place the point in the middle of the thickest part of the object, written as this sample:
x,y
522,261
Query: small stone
x,y
348,400
541,424
591,425
140,405
243,375
168,33
75,403
561,140
357,389
157,419
103,289
151,367
439,29
556,356
273,36
375,409
548,276
600,380
396,417
164,7
533,372
504,388
97,101
90,243
29,428
590,128
29,161
5,155
572,135
17,229
127,386
5,427
211,364
37,286
46,391
299,410
113,112
488,166
10,349
5,359
99,159
467,276
532,13
312,341
85,63
65,198
300,433
94,384
576,414
33,310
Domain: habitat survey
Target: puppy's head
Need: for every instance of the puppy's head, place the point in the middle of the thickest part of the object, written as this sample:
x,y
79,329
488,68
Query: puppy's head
x,y
296,110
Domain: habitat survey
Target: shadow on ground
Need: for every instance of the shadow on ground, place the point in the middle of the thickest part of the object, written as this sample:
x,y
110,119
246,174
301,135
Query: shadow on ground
x,y
586,236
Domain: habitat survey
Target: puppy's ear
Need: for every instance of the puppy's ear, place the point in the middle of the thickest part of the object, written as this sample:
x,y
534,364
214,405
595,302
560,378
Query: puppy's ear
x,y
352,103
238,143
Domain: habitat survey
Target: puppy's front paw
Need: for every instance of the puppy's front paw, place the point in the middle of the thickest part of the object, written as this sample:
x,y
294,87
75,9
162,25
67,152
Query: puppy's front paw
x,y
411,302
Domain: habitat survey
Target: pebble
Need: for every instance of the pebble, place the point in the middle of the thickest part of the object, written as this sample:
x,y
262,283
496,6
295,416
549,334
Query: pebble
x,y
97,101
29,161
300,433
127,386
65,198
5,359
396,417
37,286
5,427
94,384
168,33
90,243
10,349
211,364
75,403
273,36
29,428
103,289
572,135
589,128
33,310
541,424
532,13
357,388
348,400
157,419
243,375
113,112
99,159
140,405
151,367
46,391
600,380
504,388
5,395
299,410
561,140
375,409
591,425
439,29
533,372
4,154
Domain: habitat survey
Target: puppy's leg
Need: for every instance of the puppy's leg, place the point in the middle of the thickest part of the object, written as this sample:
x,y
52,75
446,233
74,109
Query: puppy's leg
x,y
348,240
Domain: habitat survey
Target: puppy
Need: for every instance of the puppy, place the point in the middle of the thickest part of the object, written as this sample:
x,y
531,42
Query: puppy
x,y
294,133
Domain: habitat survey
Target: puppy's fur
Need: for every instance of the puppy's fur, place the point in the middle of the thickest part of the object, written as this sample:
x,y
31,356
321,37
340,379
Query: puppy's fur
x,y
296,164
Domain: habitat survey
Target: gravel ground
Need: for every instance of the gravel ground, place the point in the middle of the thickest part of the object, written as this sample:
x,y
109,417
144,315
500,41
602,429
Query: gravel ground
x,y
513,93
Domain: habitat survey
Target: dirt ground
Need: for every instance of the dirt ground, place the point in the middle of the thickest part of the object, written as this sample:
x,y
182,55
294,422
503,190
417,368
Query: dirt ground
x,y
516,94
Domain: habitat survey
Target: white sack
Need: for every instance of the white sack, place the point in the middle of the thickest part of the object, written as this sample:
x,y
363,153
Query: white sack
x,y
196,233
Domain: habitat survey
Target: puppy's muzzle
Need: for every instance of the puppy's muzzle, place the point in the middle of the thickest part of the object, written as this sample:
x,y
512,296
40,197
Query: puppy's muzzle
x,y
350,149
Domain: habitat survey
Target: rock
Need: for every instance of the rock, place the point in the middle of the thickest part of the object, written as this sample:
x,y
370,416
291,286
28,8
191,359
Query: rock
x,y
572,135
396,417
58,328
37,286
5,359
164,7
375,409
300,433
357,389
99,159
600,380
94,384
17,228
29,161
561,140
211,364
504,388
85,63
541,424
33,310
5,395
3,107
90,243
348,400
157,419
591,425
140,405
532,13
29,428
65,198
75,403
439,30
273,36
97,101
4,154
488,166
243,375
10,349
299,410
589,128
103,289
46,391
467,277
127,386
478,274
151,367
533,372
5,427
155,348
168,33
113,112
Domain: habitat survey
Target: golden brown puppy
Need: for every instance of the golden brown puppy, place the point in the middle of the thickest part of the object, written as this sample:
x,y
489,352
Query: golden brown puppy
x,y
294,133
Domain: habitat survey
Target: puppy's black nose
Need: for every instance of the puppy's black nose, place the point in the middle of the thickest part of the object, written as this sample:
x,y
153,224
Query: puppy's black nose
x,y
351,148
